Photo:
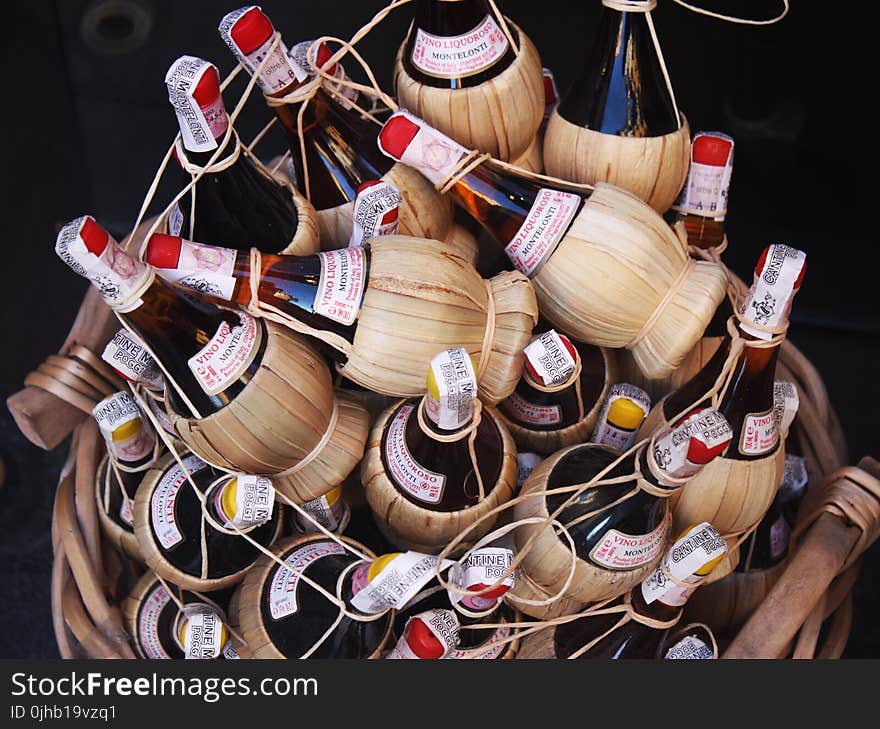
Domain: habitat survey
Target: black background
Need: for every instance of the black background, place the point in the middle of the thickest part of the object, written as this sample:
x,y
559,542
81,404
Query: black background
x,y
86,123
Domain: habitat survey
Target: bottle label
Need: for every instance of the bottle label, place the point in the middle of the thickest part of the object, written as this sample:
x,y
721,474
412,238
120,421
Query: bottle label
x,y
282,589
785,404
203,636
148,623
254,500
431,152
547,221
441,623
342,284
229,652
490,653
208,269
705,191
528,412
175,219
298,55
483,566
164,517
689,648
460,55
525,463
157,410
794,478
199,126
373,206
451,406
398,582
113,413
278,72
611,435
328,515
707,426
417,481
226,355
126,510
779,533
114,273
759,433
619,551
126,354
550,359
769,299
699,546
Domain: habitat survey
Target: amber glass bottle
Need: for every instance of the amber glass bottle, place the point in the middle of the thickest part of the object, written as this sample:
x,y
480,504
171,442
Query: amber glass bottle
x,y
456,43
340,144
691,557
235,206
209,352
748,402
425,445
633,532
621,89
527,219
324,290
561,383
702,205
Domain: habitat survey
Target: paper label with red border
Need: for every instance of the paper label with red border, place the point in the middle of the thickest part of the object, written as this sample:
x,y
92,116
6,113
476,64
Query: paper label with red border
x,y
619,551
164,518
398,582
760,433
529,412
282,589
226,355
547,221
460,55
550,358
408,474
373,207
207,269
689,648
769,299
126,354
148,623
342,284
431,152
199,126
706,189
671,447
483,566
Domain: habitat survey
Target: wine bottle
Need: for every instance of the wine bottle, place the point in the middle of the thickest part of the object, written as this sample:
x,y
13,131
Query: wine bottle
x,y
196,546
428,450
456,44
239,204
632,533
130,359
702,205
324,290
339,143
561,383
692,556
299,54
621,88
768,545
748,403
131,450
622,413
209,354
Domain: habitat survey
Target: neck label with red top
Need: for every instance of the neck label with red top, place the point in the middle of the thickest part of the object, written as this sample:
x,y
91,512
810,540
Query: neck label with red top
x,y
375,211
705,191
194,92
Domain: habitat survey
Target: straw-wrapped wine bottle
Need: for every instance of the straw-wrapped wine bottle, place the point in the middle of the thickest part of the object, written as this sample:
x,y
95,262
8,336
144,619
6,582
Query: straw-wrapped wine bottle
x,y
132,448
182,625
618,122
736,490
244,394
559,396
189,519
384,309
332,146
606,268
236,202
652,608
439,464
466,70
613,507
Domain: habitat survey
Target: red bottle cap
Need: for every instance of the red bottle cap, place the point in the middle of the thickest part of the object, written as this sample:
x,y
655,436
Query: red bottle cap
x,y
207,90
251,30
549,88
710,149
495,594
391,215
322,56
698,451
94,236
396,135
422,641
533,373
163,251
763,259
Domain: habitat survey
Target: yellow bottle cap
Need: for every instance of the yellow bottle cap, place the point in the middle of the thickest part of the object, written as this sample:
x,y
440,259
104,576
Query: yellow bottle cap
x,y
333,496
127,431
380,563
227,499
625,413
